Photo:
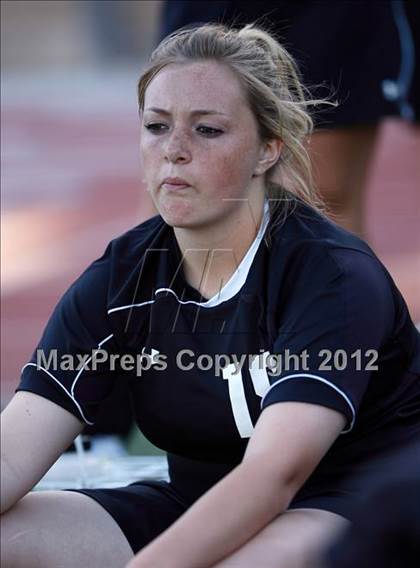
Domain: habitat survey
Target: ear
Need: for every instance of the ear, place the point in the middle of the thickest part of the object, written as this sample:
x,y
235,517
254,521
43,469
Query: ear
x,y
269,154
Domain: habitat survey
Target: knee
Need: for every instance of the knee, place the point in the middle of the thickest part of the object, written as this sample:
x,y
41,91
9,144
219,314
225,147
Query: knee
x,y
300,538
291,554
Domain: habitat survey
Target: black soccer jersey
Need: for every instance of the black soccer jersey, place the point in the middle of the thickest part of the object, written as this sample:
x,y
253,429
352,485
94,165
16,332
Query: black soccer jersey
x,y
309,315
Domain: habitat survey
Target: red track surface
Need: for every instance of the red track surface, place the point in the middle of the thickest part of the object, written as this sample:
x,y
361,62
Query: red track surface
x,y
71,183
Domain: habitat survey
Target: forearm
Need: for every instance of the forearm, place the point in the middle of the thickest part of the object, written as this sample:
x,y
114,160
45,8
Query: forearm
x,y
221,521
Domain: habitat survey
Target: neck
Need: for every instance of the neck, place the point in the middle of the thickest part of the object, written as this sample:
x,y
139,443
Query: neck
x,y
212,254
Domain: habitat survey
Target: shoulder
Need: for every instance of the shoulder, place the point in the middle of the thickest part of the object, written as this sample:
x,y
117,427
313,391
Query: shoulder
x,y
117,268
126,251
138,239
314,262
309,244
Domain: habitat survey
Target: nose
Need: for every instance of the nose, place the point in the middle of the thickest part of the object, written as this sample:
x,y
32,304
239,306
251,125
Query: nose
x,y
177,149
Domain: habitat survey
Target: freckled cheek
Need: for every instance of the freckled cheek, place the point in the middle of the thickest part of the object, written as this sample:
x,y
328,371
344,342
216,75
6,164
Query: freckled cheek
x,y
232,169
149,155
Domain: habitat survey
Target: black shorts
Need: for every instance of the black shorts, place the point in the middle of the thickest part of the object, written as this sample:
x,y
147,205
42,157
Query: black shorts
x,y
145,509
142,510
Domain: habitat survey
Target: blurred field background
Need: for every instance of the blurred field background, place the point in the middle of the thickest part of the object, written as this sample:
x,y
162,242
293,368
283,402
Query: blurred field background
x,y
71,176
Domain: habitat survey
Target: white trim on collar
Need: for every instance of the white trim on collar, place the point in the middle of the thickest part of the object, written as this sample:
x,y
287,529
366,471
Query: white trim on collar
x,y
238,278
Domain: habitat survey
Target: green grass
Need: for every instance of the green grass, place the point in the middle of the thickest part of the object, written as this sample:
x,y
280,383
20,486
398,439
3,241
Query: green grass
x,y
138,445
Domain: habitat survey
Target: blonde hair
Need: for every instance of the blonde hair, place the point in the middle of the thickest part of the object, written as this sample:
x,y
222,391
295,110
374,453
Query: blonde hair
x,y
274,91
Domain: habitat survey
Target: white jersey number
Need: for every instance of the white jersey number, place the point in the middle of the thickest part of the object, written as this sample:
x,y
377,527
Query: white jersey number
x,y
237,398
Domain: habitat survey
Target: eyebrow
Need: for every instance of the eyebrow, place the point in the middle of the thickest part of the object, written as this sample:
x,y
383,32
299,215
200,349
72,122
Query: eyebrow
x,y
193,112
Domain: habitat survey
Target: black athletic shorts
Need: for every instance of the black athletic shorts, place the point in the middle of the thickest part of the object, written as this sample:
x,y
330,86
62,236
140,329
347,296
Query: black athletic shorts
x,y
142,510
145,509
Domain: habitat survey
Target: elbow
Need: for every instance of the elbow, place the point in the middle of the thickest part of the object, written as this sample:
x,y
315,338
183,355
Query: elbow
x,y
288,484
281,486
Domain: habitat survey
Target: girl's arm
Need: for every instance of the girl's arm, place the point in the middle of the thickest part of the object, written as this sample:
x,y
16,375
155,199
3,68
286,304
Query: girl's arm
x,y
34,433
289,440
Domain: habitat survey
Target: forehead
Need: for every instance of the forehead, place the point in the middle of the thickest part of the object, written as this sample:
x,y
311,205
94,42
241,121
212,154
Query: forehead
x,y
205,85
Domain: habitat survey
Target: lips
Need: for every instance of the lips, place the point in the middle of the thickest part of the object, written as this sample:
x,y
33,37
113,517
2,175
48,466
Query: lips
x,y
174,183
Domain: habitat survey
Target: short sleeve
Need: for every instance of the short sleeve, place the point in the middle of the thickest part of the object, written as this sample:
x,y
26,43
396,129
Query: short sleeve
x,y
71,364
338,315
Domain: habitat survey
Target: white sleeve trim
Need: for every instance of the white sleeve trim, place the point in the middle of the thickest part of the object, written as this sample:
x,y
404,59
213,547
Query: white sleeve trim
x,y
39,368
71,393
322,380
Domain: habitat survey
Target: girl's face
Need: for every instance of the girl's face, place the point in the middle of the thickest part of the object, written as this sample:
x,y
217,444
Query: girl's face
x,y
197,126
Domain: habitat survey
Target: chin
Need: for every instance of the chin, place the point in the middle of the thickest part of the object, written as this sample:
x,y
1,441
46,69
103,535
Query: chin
x,y
174,218
186,214
180,222
178,214
186,221
175,223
